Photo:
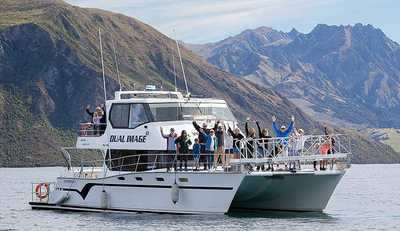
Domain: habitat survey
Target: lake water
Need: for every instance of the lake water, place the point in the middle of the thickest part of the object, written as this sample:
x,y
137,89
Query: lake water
x,y
367,198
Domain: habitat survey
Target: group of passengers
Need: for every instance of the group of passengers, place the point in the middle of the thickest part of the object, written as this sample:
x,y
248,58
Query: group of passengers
x,y
209,147
98,120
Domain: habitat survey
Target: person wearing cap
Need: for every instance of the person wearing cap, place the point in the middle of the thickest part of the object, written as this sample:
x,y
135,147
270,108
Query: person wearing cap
x,y
282,134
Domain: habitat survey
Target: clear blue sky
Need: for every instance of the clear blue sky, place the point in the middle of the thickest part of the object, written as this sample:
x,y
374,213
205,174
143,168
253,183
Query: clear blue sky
x,y
201,21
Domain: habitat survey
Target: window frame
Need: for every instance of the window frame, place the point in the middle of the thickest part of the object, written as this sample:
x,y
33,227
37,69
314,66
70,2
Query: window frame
x,y
146,111
110,115
149,113
179,110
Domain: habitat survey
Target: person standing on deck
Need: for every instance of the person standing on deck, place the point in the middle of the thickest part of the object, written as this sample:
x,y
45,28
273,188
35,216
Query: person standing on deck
x,y
203,131
250,134
263,134
196,153
171,147
282,134
220,134
237,137
102,123
182,142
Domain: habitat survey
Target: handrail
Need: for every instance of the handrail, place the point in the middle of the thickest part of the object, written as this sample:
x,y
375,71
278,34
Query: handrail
x,y
89,129
305,150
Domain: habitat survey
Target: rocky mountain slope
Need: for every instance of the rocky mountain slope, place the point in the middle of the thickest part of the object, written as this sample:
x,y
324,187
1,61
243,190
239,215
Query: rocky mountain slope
x,y
349,74
49,71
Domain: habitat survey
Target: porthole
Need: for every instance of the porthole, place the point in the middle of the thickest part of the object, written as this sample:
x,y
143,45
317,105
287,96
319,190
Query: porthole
x,y
139,178
183,179
121,178
159,179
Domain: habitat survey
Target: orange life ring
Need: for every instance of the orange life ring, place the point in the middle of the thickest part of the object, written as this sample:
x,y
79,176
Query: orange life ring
x,y
40,193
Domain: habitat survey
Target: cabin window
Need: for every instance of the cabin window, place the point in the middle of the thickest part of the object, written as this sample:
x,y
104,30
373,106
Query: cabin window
x,y
159,179
137,115
183,179
165,111
139,178
119,115
215,111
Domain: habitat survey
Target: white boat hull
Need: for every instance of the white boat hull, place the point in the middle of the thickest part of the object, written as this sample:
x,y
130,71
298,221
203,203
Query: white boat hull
x,y
201,193
302,191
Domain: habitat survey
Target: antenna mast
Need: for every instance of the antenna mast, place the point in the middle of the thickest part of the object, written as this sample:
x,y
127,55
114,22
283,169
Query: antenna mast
x,y
183,69
116,63
102,67
173,63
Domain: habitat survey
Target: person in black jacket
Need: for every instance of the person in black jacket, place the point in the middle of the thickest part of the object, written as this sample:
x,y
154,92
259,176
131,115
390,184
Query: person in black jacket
x,y
263,134
250,133
183,142
202,141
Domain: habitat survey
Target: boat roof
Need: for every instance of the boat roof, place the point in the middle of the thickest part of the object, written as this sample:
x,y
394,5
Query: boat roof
x,y
159,97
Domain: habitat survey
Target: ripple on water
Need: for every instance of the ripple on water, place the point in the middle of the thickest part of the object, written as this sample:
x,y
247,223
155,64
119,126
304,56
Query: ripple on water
x,y
366,198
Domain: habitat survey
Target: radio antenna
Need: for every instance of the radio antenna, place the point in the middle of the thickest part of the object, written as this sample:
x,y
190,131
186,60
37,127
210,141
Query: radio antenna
x,y
102,67
116,63
173,63
183,69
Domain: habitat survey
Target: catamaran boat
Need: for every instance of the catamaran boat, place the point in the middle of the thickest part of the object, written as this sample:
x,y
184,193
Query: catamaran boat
x,y
132,173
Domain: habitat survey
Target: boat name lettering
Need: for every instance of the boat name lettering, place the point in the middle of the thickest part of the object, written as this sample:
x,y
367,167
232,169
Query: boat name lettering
x,y
128,139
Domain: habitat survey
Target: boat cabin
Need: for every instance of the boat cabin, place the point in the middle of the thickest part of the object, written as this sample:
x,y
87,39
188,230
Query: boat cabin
x,y
134,119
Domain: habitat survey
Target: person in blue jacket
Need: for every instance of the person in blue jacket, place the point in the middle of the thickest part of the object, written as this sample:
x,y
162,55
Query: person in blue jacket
x,y
282,134
196,153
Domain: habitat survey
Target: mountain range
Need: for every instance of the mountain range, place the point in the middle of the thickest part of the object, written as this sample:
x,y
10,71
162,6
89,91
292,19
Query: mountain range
x,y
346,74
50,70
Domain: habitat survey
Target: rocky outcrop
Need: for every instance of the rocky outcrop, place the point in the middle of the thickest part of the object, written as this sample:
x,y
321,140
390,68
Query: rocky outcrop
x,y
347,73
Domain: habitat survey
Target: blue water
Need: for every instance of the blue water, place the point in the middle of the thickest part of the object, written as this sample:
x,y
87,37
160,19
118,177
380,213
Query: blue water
x,y
368,198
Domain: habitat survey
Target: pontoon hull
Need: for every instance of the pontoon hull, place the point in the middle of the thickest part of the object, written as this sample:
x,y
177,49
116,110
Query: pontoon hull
x,y
305,191
201,193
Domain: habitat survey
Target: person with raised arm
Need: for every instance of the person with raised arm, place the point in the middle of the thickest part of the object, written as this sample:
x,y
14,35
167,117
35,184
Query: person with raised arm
x,y
263,134
237,137
250,144
102,122
220,134
171,147
282,134
203,132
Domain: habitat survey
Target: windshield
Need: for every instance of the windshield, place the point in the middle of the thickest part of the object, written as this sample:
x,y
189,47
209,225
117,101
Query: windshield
x,y
165,111
190,111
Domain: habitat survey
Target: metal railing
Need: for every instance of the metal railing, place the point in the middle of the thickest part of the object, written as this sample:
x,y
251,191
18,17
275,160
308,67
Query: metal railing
x,y
308,148
91,129
303,150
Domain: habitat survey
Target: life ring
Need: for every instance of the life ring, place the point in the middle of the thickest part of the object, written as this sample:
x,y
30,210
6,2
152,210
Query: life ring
x,y
42,190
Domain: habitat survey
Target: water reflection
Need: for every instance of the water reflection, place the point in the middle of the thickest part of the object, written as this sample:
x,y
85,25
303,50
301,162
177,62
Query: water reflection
x,y
237,213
